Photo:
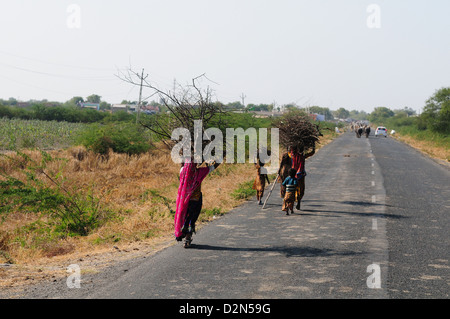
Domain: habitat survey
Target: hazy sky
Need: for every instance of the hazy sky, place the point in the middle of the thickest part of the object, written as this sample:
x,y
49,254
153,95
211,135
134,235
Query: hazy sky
x,y
313,52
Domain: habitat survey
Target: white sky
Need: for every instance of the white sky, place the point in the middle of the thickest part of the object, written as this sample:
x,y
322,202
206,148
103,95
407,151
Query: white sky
x,y
313,52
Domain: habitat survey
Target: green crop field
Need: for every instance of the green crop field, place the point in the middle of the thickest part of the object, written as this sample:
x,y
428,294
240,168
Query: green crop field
x,y
17,133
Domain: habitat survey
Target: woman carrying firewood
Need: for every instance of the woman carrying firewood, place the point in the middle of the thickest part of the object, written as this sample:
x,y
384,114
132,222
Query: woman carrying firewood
x,y
189,200
298,163
297,133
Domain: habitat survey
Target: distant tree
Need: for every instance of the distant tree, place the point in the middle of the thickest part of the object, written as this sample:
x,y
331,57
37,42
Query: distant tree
x,y
105,106
341,113
407,110
290,106
75,100
6,111
359,115
94,98
263,107
380,114
234,105
436,113
12,101
258,108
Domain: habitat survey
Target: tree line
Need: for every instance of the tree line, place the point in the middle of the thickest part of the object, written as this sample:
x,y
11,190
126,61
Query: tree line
x,y
62,113
435,116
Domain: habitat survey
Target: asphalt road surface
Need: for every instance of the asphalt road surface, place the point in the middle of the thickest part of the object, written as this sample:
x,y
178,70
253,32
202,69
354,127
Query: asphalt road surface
x,y
374,223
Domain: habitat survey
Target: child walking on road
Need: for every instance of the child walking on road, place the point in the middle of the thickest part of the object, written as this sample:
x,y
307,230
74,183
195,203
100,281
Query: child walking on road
x,y
291,184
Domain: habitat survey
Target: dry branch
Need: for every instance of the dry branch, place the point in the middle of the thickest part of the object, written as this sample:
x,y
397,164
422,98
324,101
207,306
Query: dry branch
x,y
188,104
296,129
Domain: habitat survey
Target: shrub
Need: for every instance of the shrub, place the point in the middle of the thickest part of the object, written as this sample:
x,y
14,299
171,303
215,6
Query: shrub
x,y
70,212
244,191
119,137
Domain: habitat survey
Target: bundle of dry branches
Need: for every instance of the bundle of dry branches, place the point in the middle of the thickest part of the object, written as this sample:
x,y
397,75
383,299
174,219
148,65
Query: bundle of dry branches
x,y
296,129
186,104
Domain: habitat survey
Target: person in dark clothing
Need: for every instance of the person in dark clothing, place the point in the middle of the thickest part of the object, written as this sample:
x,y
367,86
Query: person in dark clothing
x,y
298,163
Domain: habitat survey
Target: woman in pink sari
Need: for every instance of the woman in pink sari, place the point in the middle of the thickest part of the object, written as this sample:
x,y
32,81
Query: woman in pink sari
x,y
189,200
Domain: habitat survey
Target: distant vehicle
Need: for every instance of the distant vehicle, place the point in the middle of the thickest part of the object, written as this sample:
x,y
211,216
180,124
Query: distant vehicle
x,y
381,130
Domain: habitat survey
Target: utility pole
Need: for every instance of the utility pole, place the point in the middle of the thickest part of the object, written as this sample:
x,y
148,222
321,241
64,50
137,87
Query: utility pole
x,y
140,96
243,96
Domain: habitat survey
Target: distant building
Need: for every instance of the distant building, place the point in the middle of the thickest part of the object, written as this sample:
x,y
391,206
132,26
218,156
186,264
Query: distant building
x,y
320,117
150,108
123,107
317,117
88,105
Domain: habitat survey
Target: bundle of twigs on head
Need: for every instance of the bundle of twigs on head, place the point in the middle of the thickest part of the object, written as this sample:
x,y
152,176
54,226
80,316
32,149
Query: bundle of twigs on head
x,y
185,105
297,129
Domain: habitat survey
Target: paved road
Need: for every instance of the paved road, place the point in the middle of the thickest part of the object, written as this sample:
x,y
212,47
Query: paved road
x,y
374,224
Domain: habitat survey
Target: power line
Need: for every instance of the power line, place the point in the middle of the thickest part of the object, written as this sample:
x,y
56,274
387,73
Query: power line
x,y
56,64
67,94
34,86
97,78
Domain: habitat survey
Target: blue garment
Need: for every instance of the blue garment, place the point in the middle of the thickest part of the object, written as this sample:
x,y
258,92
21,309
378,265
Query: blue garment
x,y
300,174
291,184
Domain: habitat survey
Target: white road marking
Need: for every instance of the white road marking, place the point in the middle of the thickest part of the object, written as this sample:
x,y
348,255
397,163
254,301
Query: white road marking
x,y
373,183
374,224
374,199
374,280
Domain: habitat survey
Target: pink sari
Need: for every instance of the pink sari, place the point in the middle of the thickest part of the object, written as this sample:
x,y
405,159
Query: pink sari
x,y
190,178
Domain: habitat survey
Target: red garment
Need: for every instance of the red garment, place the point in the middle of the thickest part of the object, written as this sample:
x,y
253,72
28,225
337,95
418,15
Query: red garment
x,y
298,162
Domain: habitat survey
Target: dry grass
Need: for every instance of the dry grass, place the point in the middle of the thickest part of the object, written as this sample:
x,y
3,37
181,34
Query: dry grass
x,y
124,185
427,147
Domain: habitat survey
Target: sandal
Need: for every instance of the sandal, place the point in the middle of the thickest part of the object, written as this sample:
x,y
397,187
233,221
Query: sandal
x,y
188,241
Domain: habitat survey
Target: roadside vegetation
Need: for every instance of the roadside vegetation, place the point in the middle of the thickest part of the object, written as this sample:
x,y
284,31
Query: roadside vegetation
x,y
428,132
